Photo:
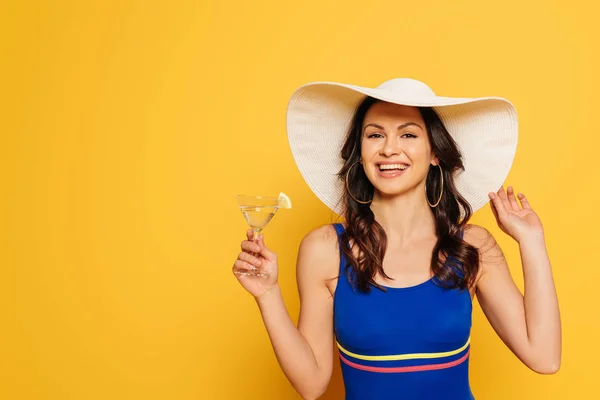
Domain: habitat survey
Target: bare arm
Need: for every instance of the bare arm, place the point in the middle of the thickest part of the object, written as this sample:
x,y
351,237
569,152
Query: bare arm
x,y
305,354
529,325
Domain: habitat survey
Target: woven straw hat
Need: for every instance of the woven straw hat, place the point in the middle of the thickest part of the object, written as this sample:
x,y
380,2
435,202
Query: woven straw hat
x,y
319,116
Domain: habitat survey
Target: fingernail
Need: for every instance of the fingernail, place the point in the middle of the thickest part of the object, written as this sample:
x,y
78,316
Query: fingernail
x,y
492,195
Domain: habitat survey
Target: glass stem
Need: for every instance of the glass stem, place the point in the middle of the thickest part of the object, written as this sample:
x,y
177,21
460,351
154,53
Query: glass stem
x,y
257,232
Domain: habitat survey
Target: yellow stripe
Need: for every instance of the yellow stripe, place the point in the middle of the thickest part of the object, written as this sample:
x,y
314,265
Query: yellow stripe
x,y
404,356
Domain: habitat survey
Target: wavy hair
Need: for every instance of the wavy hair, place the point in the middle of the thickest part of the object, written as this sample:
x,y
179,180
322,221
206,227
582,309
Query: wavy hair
x,y
459,270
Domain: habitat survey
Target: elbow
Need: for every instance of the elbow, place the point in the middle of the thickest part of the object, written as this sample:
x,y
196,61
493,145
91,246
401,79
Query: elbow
x,y
550,368
544,362
311,396
313,392
314,385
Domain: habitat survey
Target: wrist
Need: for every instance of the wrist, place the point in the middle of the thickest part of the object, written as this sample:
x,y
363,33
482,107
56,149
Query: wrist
x,y
534,239
269,293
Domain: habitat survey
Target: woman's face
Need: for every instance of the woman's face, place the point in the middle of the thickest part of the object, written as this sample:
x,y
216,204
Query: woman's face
x,y
395,148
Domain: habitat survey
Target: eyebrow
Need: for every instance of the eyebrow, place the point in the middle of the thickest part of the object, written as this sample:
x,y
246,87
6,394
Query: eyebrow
x,y
401,126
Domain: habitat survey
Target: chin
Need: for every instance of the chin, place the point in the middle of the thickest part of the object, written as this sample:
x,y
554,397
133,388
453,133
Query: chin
x,y
388,192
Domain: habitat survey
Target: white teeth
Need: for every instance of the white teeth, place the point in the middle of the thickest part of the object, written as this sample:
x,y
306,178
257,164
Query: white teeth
x,y
392,166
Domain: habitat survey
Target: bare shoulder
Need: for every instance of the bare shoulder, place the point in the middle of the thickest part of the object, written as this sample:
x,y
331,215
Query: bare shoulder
x,y
490,253
322,238
479,237
318,256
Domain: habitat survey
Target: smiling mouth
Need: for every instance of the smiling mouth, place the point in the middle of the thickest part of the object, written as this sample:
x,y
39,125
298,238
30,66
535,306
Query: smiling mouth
x,y
392,167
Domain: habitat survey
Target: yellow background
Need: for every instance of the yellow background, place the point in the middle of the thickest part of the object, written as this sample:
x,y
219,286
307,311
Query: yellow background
x,y
128,127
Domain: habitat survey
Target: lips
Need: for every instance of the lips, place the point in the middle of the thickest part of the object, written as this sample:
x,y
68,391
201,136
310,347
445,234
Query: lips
x,y
392,170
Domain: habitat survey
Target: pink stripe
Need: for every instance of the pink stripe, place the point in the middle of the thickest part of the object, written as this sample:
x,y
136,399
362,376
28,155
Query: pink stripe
x,y
415,368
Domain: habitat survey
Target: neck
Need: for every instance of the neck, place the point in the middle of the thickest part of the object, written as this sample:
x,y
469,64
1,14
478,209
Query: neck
x,y
405,218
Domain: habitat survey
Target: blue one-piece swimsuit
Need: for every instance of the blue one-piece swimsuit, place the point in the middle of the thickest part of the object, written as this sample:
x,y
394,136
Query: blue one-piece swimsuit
x,y
407,343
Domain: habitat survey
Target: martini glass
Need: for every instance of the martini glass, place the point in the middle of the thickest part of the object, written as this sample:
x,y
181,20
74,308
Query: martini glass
x,y
258,211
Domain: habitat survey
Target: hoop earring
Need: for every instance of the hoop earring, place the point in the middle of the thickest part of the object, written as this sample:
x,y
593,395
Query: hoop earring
x,y
348,188
441,191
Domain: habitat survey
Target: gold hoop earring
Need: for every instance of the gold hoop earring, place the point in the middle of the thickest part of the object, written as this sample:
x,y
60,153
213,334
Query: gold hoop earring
x,y
348,188
441,191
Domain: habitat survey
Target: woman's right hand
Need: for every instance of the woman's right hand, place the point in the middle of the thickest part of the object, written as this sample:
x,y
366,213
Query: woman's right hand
x,y
255,256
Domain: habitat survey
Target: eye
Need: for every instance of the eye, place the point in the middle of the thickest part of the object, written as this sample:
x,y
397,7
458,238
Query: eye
x,y
374,135
409,134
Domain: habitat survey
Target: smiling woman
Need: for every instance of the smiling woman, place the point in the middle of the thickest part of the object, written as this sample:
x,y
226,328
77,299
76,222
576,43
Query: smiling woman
x,y
393,285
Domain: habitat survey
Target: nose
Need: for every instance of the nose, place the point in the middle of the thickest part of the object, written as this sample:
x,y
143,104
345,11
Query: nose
x,y
390,147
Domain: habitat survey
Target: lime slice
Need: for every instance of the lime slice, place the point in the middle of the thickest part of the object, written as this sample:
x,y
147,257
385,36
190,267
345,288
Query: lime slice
x,y
284,201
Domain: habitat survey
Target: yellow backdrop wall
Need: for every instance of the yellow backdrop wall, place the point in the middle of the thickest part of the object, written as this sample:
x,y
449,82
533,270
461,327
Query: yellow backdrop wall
x,y
128,127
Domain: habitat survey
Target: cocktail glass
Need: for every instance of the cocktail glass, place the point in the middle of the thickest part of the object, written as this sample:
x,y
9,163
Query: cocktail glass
x,y
258,211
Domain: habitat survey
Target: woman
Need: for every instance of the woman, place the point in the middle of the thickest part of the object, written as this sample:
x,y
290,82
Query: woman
x,y
393,285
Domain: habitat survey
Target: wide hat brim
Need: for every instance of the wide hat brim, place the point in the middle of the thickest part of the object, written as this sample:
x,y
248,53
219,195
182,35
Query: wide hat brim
x,y
319,116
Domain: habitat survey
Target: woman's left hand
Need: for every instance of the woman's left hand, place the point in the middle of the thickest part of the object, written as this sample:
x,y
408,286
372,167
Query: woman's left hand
x,y
517,221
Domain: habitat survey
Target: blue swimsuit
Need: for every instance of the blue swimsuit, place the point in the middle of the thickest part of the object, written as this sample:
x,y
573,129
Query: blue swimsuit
x,y
407,343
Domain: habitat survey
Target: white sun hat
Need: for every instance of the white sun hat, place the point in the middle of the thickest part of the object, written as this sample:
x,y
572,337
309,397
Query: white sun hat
x,y
319,115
